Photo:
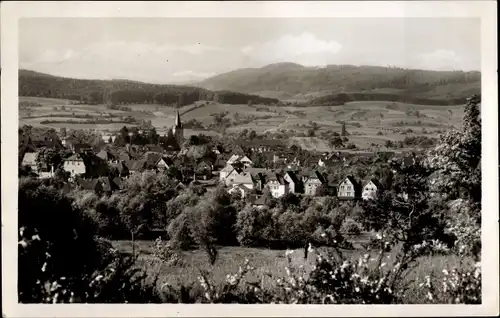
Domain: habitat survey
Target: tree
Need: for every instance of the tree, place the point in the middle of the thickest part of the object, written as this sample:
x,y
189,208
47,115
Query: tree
x,y
336,142
65,264
456,162
343,131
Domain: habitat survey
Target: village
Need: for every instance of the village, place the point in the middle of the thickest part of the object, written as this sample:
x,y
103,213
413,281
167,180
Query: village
x,y
89,168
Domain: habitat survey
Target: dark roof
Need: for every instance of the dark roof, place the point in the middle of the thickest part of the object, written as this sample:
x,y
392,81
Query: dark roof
x,y
377,183
136,165
293,176
260,200
105,155
81,147
86,184
122,168
355,183
277,177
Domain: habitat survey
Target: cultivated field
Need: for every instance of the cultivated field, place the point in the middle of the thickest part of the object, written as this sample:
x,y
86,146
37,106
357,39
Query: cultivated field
x,y
366,122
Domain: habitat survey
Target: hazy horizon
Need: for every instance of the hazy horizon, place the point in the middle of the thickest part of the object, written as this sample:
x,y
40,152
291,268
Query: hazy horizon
x,y
188,50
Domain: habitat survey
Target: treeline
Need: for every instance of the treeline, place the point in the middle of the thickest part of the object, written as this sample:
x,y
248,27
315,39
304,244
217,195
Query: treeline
x,y
119,92
347,78
342,98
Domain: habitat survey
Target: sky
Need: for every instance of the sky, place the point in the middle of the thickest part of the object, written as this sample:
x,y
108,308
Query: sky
x,y
177,50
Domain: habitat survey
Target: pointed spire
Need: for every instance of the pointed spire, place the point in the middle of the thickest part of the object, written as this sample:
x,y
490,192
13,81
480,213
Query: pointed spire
x,y
178,120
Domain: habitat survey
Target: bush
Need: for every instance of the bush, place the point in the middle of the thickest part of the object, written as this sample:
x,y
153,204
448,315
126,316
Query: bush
x,y
351,227
61,264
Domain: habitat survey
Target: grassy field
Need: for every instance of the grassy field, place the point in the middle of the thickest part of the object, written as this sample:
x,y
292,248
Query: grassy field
x,y
366,122
265,261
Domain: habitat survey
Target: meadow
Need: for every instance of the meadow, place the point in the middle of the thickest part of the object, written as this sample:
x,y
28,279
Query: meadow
x,y
368,123
269,261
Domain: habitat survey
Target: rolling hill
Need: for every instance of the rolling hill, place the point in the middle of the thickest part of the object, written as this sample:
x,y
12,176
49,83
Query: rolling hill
x,y
35,84
290,81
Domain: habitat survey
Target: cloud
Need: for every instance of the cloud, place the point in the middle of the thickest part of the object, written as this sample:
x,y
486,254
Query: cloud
x,y
192,74
305,48
441,59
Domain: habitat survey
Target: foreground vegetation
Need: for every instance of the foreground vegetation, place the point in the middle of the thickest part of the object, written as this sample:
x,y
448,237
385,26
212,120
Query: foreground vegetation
x,y
433,207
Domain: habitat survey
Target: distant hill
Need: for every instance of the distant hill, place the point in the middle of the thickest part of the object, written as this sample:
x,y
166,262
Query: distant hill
x,y
294,81
124,91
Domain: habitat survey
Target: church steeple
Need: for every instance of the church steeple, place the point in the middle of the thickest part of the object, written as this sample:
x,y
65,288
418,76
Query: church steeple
x,y
178,120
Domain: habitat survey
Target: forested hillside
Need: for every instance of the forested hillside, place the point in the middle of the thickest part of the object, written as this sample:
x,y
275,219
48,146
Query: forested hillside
x,y
360,82
123,91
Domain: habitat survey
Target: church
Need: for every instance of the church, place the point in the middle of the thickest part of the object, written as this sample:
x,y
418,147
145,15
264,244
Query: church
x,y
176,132
177,129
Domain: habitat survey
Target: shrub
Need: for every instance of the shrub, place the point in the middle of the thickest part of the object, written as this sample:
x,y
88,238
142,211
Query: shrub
x,y
351,227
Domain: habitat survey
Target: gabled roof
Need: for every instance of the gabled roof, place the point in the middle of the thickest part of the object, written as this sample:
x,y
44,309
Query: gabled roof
x,y
105,155
136,165
75,157
166,160
245,178
293,176
353,181
233,158
227,169
277,177
316,175
376,183
87,184
260,201
120,166
242,187
30,158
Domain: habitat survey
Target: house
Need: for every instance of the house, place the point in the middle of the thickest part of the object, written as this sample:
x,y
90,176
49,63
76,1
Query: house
x,y
122,168
75,165
204,169
135,166
108,138
233,159
30,160
246,161
278,185
260,202
313,182
107,156
371,189
243,190
224,173
294,182
46,174
245,179
349,188
164,163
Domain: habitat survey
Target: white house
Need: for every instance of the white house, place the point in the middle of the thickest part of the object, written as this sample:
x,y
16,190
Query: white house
x,y
371,189
246,161
278,185
244,178
105,138
293,182
46,174
241,189
74,165
163,164
313,182
233,159
229,180
29,160
224,173
349,188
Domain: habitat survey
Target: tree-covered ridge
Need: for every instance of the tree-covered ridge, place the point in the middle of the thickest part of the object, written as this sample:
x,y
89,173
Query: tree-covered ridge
x,y
122,91
334,79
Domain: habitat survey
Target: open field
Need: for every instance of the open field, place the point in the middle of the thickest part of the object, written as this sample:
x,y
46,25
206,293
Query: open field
x,y
366,122
264,260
